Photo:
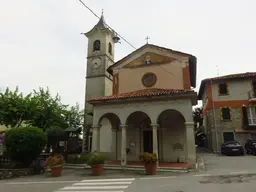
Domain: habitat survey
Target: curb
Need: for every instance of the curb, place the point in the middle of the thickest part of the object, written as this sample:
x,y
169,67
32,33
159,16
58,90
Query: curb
x,y
226,174
83,166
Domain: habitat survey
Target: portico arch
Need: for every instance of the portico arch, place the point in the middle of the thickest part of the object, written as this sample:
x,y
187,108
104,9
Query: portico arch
x,y
139,135
172,135
109,135
170,116
138,119
113,119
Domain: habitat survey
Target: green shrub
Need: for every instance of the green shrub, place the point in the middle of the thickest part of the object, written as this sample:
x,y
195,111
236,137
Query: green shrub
x,y
82,159
95,158
24,144
77,159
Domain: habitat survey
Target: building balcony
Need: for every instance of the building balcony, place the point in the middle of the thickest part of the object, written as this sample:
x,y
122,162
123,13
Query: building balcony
x,y
251,96
251,124
250,127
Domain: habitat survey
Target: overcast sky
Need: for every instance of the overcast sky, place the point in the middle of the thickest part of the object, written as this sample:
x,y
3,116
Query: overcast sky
x,y
41,45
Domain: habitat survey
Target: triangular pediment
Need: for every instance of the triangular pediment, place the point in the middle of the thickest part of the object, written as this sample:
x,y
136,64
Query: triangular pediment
x,y
149,58
149,54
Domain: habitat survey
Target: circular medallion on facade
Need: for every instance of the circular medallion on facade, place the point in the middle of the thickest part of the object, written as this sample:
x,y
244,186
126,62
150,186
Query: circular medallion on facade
x,y
149,79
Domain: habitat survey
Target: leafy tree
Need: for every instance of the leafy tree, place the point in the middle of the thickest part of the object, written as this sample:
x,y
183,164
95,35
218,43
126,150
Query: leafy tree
x,y
15,108
75,117
197,116
39,109
198,125
50,111
24,144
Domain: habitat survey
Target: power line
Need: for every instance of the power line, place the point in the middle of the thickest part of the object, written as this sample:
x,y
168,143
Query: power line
x,y
118,33
106,23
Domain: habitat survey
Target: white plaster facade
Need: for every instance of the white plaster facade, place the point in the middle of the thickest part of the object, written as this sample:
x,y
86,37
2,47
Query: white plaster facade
x,y
174,142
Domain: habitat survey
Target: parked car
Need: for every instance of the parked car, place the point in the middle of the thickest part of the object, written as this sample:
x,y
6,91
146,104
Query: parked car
x,y
232,148
250,146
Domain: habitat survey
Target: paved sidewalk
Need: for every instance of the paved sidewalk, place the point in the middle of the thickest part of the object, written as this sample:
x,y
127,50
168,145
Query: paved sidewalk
x,y
216,164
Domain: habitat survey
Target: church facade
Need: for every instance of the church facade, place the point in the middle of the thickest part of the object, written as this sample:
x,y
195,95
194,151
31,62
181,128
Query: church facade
x,y
142,103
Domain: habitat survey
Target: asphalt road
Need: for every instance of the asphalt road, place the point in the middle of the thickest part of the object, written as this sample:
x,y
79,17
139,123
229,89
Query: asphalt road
x,y
182,183
221,174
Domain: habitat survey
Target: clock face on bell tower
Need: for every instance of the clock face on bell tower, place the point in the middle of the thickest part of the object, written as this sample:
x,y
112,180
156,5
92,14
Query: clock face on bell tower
x,y
96,63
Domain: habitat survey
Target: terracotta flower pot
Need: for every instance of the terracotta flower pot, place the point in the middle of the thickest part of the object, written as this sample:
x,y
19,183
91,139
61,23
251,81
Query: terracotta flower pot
x,y
97,169
56,171
150,169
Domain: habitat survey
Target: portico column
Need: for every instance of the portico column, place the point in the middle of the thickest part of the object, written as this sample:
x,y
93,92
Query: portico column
x,y
95,138
155,141
191,147
123,145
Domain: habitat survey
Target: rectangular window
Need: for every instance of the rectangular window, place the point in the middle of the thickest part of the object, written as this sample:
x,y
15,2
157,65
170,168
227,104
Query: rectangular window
x,y
228,136
225,113
251,111
223,89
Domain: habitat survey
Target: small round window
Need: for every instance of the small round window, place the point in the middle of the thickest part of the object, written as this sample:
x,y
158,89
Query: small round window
x,y
149,79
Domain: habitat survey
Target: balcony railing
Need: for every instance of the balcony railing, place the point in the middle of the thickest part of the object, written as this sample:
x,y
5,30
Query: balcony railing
x,y
250,127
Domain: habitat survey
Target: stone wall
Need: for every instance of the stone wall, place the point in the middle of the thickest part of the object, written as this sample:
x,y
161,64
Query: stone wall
x,y
10,173
222,126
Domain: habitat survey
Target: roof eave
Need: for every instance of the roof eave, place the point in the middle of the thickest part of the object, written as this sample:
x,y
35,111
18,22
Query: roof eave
x,y
201,90
192,95
192,70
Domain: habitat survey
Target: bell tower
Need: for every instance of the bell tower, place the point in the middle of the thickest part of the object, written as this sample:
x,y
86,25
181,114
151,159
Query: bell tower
x,y
100,55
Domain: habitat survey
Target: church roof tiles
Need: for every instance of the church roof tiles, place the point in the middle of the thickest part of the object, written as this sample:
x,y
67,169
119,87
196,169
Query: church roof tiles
x,y
153,92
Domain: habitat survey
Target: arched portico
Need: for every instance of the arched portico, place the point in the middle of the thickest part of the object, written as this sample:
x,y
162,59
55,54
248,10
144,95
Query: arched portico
x,y
136,130
172,136
105,135
138,135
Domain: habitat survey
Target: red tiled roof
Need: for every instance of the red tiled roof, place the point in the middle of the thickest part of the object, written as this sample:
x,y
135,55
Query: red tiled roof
x,y
143,93
225,77
233,76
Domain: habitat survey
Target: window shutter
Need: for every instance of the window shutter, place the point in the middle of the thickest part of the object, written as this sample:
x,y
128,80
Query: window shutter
x,y
245,116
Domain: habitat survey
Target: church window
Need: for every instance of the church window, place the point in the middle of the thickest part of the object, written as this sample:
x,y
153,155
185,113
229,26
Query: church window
x,y
110,48
96,45
149,79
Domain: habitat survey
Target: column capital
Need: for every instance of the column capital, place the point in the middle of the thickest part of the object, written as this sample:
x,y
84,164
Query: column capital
x,y
123,126
96,126
154,125
189,124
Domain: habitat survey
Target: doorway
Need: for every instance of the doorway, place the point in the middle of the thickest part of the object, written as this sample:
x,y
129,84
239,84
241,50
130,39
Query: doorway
x,y
148,141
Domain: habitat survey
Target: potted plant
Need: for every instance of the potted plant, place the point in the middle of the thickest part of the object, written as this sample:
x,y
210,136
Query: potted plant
x,y
149,161
55,163
96,160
